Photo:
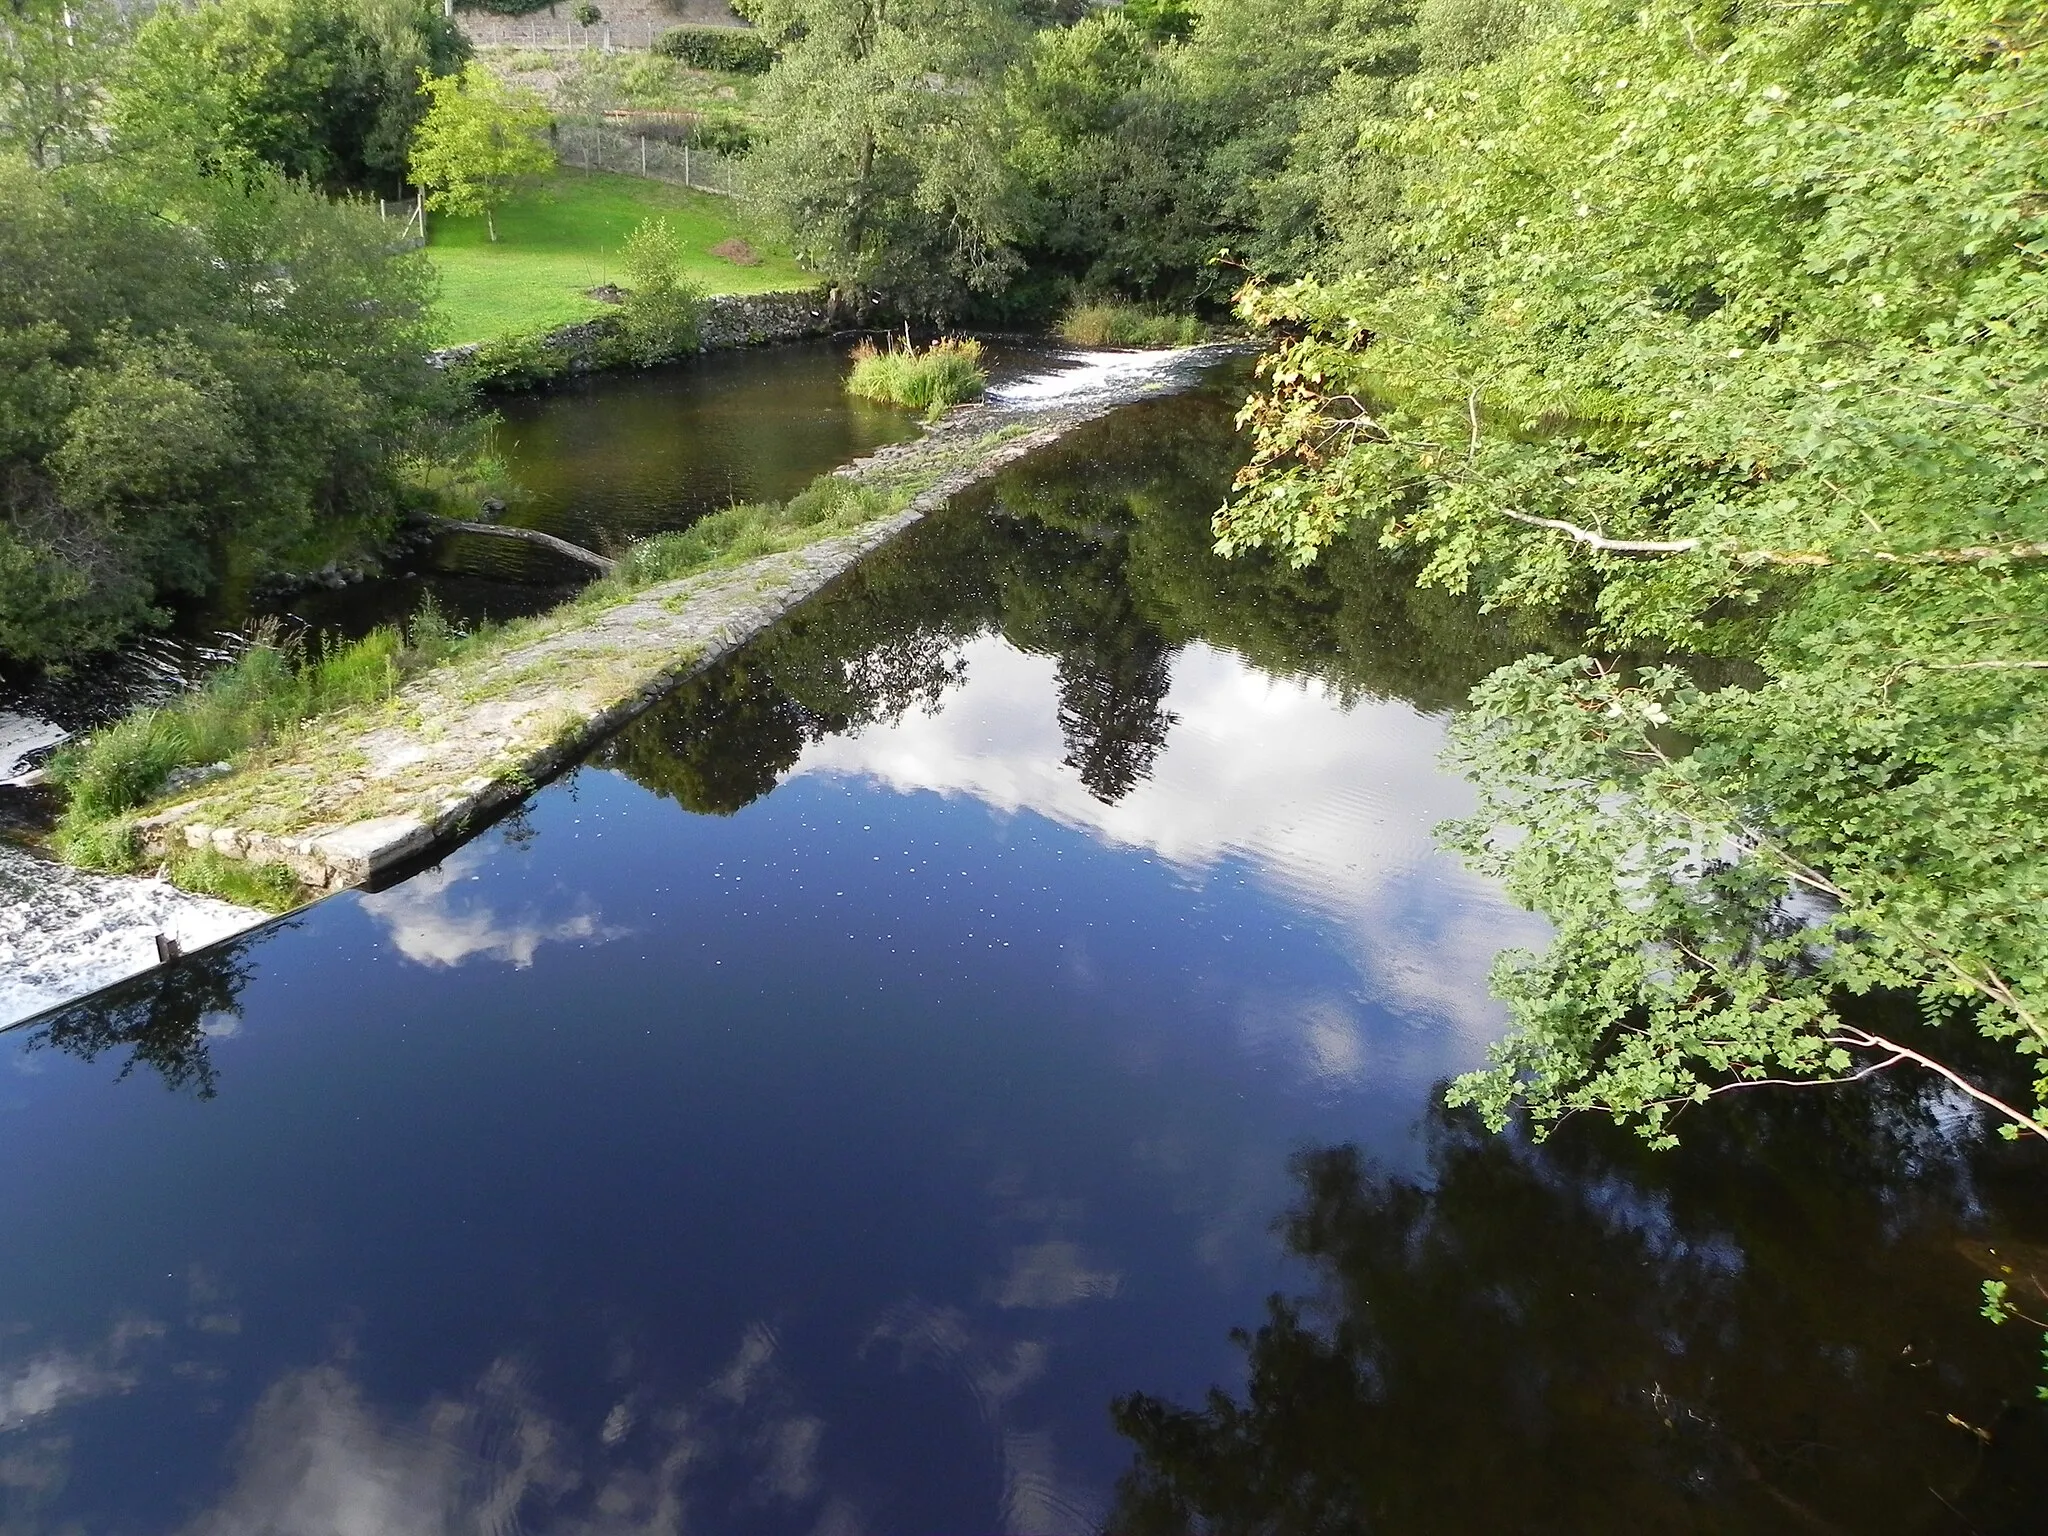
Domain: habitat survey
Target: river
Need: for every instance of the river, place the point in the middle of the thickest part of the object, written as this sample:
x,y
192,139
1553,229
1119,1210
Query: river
x,y
950,1018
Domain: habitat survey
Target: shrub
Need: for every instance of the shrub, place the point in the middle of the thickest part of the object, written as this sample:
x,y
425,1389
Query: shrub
x,y
587,15
723,133
1115,323
730,50
662,307
944,373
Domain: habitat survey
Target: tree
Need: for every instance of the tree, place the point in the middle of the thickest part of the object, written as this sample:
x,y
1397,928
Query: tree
x,y
54,57
177,391
662,306
882,159
1724,324
323,89
478,138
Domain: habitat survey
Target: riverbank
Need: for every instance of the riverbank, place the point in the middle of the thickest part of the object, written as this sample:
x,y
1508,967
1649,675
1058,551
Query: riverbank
x,y
361,796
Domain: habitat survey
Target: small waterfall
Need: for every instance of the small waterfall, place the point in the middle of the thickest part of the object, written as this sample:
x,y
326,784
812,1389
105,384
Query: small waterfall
x,y
1081,375
65,932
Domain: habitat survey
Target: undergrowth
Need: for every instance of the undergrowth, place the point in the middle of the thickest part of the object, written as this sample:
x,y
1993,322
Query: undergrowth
x,y
1118,323
945,373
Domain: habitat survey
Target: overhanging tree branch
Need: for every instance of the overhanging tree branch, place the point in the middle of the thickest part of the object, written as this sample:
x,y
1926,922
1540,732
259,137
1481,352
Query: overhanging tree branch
x,y
1968,554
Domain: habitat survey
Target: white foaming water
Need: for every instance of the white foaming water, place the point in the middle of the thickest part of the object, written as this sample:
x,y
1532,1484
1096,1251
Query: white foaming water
x,y
65,932
21,735
1086,375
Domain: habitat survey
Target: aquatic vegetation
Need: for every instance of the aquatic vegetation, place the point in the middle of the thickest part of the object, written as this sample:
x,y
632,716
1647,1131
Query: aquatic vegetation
x,y
1116,323
945,373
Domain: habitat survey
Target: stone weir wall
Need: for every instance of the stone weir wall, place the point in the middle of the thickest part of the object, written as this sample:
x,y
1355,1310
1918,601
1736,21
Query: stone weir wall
x,y
726,321
356,800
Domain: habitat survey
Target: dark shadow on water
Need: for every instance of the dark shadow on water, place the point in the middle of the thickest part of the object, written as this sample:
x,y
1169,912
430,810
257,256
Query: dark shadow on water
x,y
160,1020
1766,1330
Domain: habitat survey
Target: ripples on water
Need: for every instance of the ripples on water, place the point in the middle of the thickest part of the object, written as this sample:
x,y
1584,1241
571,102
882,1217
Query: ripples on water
x,y
817,1111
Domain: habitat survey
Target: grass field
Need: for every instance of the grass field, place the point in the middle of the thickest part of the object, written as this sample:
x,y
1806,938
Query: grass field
x,y
564,237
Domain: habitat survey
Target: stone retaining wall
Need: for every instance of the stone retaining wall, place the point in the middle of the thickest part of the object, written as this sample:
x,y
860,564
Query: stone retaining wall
x,y
726,321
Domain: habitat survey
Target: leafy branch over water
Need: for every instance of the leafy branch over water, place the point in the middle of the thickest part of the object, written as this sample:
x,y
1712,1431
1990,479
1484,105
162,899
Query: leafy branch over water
x,y
1726,324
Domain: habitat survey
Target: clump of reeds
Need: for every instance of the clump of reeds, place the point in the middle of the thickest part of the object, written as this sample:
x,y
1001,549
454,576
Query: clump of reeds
x,y
1119,323
945,373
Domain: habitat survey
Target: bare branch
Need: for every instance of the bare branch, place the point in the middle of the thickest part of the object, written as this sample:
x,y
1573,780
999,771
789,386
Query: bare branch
x,y
1854,1038
530,536
1968,554
1600,541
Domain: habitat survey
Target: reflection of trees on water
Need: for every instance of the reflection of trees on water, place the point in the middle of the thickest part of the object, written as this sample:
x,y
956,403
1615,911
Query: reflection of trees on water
x,y
159,1020
1591,1337
1096,554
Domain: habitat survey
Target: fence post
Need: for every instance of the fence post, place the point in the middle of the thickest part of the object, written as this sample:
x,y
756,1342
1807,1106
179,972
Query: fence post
x,y
643,154
686,164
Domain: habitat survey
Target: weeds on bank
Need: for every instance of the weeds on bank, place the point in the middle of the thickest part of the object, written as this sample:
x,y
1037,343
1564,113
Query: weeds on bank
x,y
268,706
272,689
1116,323
945,373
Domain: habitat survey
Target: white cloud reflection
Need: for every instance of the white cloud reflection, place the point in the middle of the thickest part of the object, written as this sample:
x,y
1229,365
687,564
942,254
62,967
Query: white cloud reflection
x,y
1331,809
441,917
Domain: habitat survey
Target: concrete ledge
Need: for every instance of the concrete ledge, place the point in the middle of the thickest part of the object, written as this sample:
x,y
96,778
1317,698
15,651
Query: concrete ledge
x,y
356,798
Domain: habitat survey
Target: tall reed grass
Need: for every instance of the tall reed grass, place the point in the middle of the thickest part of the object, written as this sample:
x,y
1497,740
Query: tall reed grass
x,y
945,373
1117,323
272,688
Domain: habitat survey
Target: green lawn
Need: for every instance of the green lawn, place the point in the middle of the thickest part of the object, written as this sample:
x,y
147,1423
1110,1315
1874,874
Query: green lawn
x,y
563,237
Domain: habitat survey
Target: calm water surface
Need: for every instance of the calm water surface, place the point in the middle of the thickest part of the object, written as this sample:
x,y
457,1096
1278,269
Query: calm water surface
x,y
952,1017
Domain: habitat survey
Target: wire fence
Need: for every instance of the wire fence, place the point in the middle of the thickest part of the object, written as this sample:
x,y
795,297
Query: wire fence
x,y
581,147
548,32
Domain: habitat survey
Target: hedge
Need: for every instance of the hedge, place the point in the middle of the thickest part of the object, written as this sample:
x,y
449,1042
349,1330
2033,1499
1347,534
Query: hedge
x,y
731,50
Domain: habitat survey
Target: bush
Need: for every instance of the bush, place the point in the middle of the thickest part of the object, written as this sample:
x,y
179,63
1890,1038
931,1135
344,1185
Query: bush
x,y
587,15
504,7
944,373
662,307
723,133
731,50
1115,323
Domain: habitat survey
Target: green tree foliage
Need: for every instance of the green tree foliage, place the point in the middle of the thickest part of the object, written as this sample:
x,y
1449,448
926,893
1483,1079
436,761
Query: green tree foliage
x,y
238,375
882,159
54,56
662,306
1728,324
478,138
322,89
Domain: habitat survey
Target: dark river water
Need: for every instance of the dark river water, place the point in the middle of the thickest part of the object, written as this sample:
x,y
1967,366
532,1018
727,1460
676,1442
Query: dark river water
x,y
869,1095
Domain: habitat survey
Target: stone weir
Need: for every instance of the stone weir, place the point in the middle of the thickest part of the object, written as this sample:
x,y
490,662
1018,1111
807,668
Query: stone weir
x,y
354,800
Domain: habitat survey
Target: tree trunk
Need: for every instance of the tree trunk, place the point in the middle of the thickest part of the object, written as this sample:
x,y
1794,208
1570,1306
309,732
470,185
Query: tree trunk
x,y
490,224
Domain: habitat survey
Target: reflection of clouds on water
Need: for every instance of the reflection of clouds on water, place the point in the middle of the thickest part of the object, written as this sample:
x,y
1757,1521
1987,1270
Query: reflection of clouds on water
x,y
317,1459
1049,1275
434,921
1331,808
41,1385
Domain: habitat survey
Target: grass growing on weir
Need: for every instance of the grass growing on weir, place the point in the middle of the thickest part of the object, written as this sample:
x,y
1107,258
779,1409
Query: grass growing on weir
x,y
279,703
1117,323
